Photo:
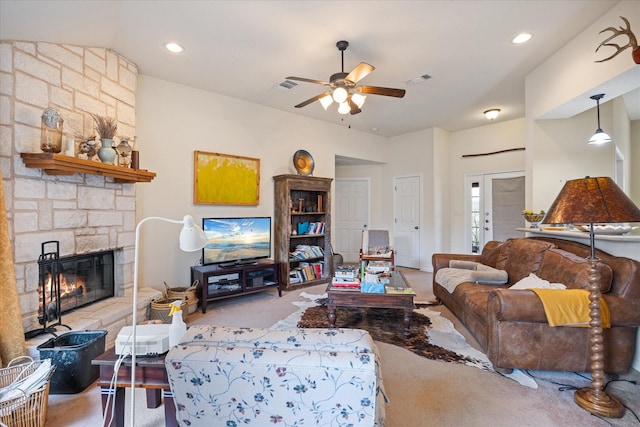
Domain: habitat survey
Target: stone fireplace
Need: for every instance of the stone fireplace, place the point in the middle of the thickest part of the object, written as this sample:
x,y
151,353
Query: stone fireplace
x,y
85,213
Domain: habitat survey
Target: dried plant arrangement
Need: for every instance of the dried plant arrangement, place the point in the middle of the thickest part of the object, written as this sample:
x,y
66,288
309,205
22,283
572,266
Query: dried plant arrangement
x,y
105,126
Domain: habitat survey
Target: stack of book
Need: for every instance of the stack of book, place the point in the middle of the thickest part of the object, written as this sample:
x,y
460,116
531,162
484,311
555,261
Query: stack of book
x,y
346,278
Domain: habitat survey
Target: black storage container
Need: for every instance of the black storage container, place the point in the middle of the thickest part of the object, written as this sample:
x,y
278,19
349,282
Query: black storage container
x,y
72,354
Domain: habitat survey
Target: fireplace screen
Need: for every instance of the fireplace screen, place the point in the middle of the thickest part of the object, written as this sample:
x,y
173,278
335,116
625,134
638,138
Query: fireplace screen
x,y
71,282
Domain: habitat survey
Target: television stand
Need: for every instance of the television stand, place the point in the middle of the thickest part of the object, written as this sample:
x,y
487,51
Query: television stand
x,y
219,281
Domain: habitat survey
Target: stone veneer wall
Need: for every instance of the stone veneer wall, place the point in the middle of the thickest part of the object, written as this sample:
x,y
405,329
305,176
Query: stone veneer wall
x,y
84,212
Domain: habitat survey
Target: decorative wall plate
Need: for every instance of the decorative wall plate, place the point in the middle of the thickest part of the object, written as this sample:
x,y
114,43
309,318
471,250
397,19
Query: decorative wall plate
x,y
303,162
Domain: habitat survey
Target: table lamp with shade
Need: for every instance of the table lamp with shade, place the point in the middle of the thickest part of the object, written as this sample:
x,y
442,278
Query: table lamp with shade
x,y
592,201
192,239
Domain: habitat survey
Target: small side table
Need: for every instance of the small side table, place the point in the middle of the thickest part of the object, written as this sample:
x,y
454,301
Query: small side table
x,y
150,375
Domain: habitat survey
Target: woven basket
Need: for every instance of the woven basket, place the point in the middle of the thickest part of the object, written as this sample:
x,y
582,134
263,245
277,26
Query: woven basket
x,y
160,309
29,410
189,294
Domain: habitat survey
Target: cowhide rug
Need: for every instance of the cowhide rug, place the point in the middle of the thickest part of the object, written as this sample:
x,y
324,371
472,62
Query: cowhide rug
x,y
431,335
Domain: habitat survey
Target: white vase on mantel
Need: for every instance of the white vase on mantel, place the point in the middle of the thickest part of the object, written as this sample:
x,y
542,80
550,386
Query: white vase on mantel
x,y
107,153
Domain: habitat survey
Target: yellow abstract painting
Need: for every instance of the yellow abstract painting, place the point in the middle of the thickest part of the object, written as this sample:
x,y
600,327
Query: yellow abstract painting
x,y
223,179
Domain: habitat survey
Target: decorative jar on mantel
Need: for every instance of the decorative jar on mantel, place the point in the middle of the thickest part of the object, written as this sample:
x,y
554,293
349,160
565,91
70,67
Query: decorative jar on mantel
x,y
51,131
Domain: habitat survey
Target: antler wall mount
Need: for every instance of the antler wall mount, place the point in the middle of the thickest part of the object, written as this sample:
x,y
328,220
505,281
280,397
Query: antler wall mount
x,y
621,31
344,89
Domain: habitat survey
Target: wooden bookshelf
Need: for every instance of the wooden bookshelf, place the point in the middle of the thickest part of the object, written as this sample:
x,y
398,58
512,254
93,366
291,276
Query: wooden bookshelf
x,y
302,199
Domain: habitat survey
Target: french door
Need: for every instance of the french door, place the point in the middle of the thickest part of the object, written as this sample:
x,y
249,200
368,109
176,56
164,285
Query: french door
x,y
494,207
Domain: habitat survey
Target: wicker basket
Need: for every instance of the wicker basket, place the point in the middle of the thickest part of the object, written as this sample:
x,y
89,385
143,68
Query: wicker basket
x,y
189,294
161,307
29,410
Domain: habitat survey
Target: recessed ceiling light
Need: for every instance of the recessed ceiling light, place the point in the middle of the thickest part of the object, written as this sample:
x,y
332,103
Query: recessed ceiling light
x,y
521,38
174,47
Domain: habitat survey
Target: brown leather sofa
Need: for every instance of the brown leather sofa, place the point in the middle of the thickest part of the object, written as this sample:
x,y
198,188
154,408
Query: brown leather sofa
x,y
511,325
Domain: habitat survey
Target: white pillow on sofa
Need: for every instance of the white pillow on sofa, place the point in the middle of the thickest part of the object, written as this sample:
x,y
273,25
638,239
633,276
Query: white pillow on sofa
x,y
532,281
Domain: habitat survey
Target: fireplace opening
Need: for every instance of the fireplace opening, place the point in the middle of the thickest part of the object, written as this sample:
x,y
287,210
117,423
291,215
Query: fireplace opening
x,y
71,282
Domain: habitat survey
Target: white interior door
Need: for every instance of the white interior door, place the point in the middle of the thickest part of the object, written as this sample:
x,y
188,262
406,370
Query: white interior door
x,y
502,196
406,233
351,216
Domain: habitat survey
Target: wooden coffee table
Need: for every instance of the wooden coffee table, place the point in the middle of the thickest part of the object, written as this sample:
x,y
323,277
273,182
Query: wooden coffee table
x,y
403,299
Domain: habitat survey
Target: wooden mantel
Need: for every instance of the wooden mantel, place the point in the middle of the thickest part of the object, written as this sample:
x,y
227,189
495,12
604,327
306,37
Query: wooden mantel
x,y
59,164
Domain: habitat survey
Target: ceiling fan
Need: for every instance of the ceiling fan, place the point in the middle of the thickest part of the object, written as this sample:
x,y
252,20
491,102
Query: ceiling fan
x,y
344,87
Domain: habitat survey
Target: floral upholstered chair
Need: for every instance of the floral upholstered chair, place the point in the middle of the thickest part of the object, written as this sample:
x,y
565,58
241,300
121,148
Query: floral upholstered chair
x,y
224,376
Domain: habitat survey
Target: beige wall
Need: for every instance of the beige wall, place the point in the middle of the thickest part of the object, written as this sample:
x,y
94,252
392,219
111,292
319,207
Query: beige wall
x,y
561,117
174,120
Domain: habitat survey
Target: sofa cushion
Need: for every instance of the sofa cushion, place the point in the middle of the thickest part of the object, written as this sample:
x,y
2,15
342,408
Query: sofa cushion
x,y
490,253
519,257
572,270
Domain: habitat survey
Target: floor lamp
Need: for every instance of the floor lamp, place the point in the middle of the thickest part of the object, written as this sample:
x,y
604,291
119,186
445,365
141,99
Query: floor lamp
x,y
589,201
192,239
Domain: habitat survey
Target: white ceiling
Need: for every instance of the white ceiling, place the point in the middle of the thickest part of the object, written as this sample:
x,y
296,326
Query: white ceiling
x,y
244,49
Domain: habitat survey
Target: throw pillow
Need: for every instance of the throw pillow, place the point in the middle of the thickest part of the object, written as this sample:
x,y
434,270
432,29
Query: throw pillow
x,y
463,264
532,281
486,275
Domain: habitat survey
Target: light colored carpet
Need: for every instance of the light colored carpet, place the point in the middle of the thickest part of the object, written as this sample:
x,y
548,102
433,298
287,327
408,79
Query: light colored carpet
x,y
422,392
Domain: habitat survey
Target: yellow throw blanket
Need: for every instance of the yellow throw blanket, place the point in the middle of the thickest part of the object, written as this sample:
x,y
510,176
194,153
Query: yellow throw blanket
x,y
570,307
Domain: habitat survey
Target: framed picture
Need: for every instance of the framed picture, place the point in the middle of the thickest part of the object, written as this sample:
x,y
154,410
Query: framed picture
x,y
224,179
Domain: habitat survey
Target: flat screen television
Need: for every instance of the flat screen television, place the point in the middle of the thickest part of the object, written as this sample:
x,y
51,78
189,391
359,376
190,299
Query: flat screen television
x,y
234,241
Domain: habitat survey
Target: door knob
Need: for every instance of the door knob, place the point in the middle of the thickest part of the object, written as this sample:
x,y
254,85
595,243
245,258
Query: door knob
x,y
486,228
416,227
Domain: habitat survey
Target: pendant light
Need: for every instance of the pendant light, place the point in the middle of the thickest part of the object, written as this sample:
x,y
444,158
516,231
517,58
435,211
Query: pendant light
x,y
600,137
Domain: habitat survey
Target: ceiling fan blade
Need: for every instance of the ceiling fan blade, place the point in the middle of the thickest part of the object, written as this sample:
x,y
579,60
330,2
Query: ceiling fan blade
x,y
302,79
386,91
354,109
360,72
311,100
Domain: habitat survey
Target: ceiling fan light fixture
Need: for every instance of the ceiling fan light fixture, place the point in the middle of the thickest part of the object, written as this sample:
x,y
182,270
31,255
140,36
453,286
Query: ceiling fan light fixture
x,y
326,101
492,114
358,99
344,108
340,95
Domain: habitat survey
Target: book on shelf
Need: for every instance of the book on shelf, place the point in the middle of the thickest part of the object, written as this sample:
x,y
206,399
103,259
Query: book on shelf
x,y
306,252
307,271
